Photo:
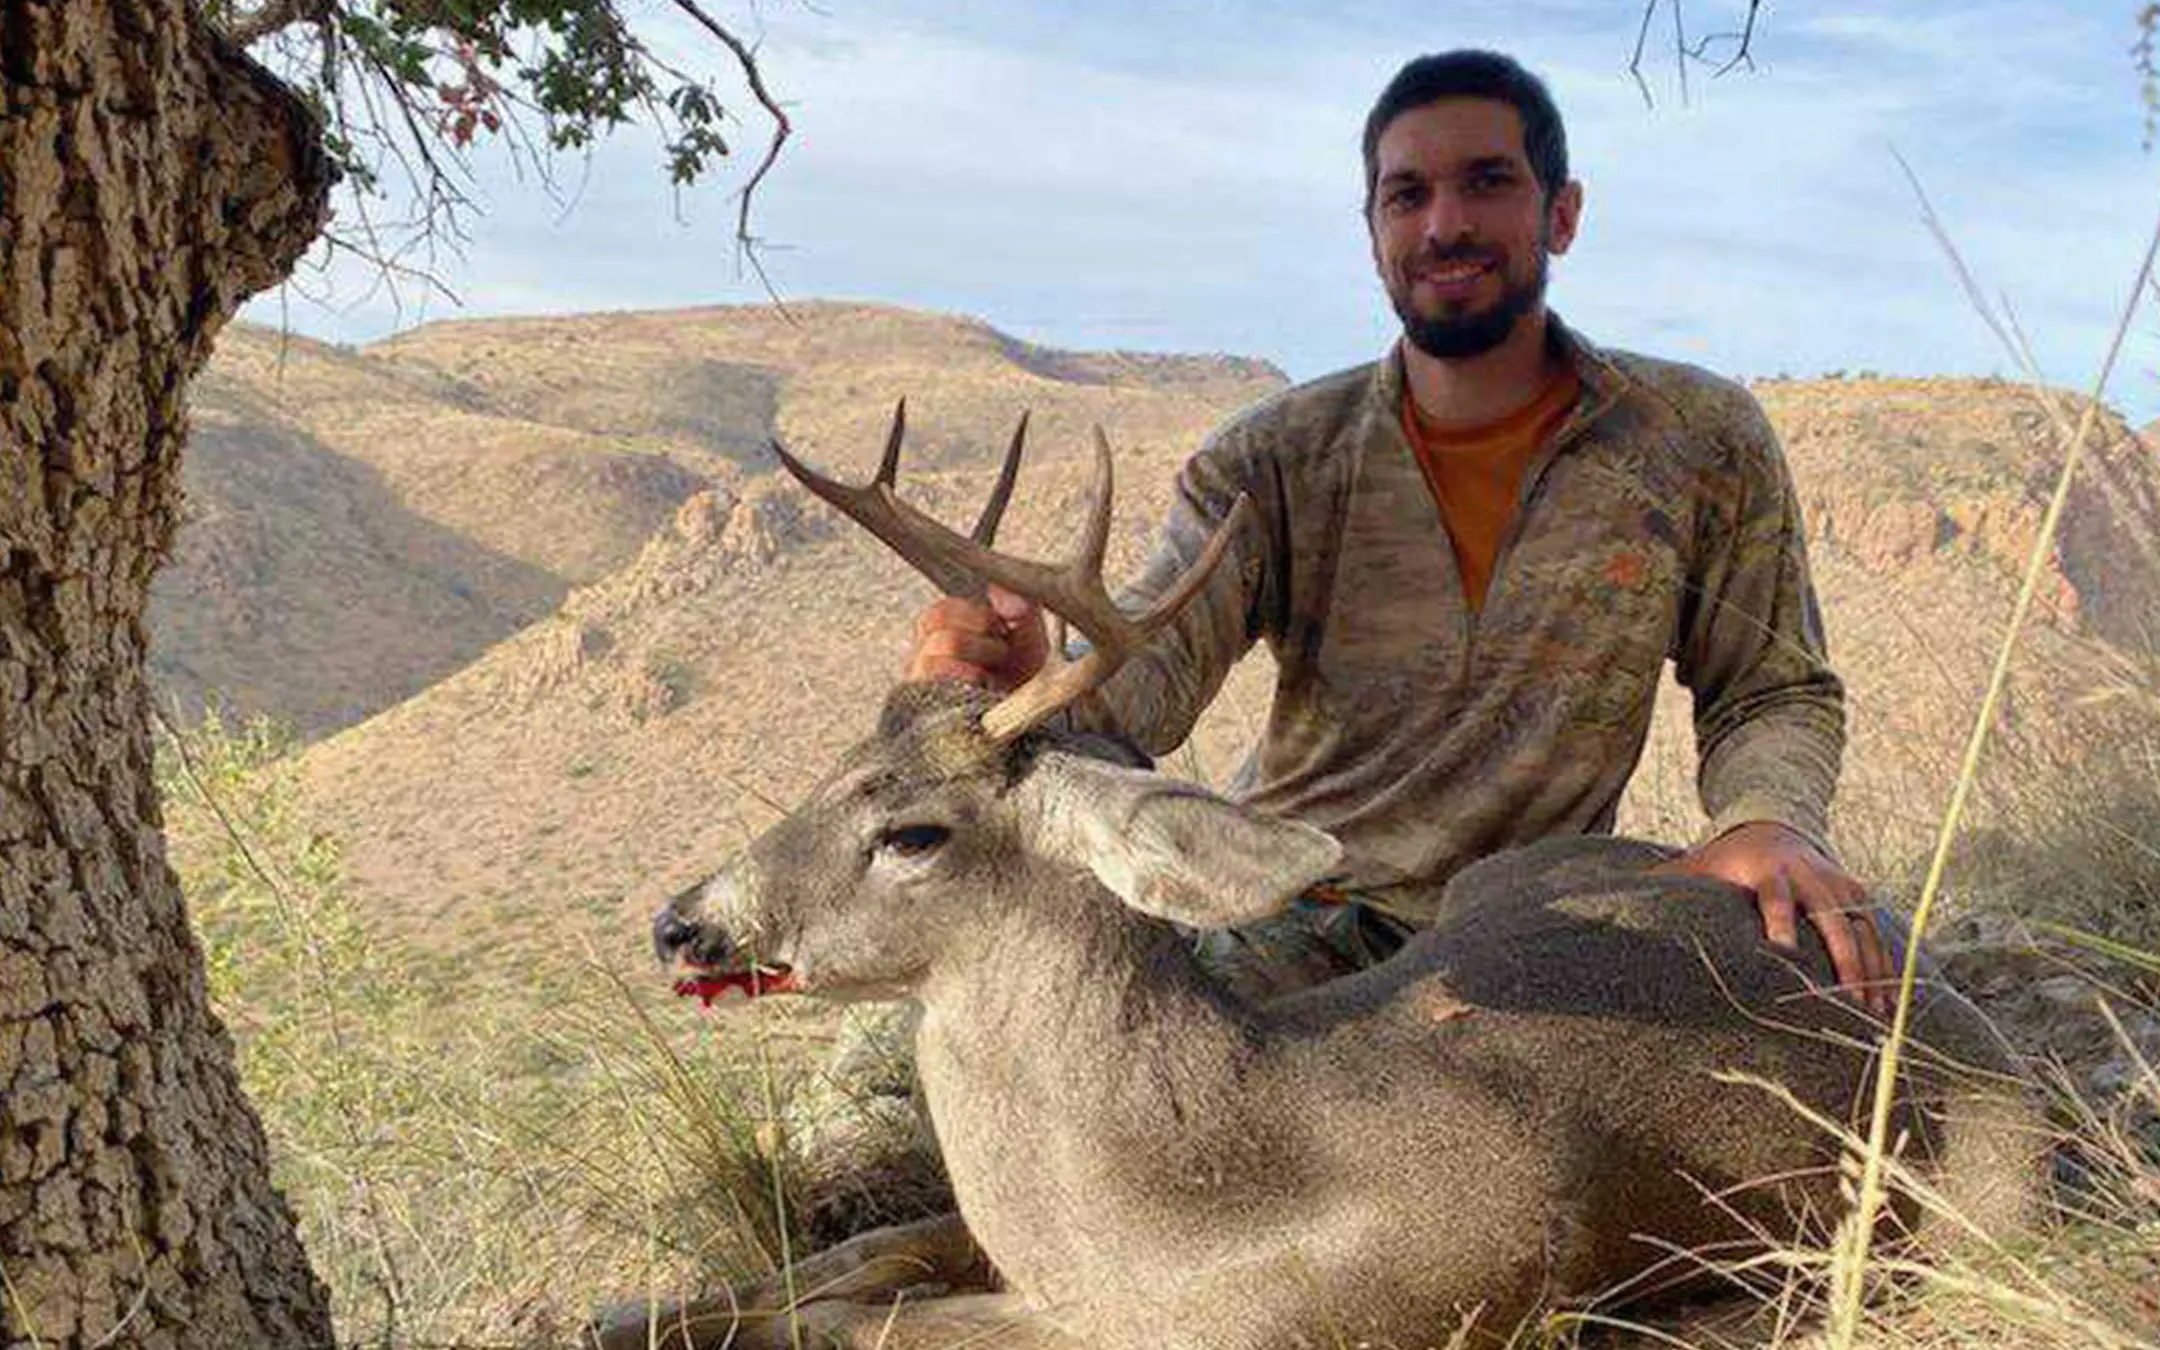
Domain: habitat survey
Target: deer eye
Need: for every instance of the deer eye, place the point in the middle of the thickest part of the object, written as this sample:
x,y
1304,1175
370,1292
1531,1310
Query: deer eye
x,y
913,841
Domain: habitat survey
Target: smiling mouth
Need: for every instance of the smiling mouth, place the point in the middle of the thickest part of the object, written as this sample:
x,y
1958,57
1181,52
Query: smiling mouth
x,y
711,983
1452,275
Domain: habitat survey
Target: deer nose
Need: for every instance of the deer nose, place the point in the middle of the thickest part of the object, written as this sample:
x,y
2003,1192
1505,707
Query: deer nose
x,y
671,933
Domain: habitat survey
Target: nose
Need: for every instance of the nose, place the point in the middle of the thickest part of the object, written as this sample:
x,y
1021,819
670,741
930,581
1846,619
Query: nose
x,y
670,934
1446,219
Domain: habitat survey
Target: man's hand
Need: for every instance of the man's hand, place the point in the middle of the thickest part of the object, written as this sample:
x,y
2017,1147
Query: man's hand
x,y
1789,874
999,644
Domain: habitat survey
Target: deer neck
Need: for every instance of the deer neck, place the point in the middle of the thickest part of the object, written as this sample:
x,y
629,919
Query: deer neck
x,y
1078,1009
1080,1062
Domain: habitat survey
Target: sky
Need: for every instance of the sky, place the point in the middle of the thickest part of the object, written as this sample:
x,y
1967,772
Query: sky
x,y
1183,175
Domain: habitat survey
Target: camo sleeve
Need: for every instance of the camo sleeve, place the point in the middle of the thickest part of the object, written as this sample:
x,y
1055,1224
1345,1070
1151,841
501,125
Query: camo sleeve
x,y
1155,698
1769,711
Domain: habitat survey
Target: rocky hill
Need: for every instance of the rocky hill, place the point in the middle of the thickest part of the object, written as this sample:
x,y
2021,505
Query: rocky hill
x,y
1893,473
356,530
362,523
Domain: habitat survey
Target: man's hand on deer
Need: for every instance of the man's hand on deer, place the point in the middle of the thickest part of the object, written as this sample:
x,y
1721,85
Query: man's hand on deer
x,y
1789,875
1000,644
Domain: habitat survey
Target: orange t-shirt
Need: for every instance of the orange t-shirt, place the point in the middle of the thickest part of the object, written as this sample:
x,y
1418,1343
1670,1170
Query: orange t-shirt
x,y
1476,473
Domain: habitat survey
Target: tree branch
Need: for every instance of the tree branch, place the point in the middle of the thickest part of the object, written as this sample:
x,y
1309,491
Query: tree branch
x,y
782,128
1642,40
1697,51
1743,48
273,16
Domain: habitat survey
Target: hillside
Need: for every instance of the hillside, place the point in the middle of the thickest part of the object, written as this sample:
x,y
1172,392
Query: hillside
x,y
613,752
631,736
355,532
364,522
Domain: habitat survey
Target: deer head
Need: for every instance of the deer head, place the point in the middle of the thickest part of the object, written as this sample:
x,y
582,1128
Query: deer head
x,y
959,805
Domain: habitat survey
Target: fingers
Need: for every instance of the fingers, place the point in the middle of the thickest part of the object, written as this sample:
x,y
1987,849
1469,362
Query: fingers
x,y
951,611
951,646
1882,977
1789,874
1827,911
1840,914
1025,629
974,641
953,654
1013,609
1780,914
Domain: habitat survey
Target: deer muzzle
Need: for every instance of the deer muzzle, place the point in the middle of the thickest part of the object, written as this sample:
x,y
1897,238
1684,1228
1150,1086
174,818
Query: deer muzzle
x,y
686,935
691,927
673,936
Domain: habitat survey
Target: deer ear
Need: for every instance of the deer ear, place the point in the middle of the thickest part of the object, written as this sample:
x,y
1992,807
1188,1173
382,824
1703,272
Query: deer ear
x,y
1171,848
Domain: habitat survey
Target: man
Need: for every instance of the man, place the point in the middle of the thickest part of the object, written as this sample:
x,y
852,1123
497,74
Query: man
x,y
1472,558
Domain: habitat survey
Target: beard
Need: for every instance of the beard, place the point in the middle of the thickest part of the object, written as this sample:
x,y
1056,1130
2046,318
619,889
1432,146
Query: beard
x,y
1458,334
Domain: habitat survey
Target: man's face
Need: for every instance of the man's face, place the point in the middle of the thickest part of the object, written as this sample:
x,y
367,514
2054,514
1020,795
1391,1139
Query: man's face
x,y
1460,227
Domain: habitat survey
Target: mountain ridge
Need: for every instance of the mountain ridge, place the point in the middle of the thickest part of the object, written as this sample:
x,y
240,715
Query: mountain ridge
x,y
365,521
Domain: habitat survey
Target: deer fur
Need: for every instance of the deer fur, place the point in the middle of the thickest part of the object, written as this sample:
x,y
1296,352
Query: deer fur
x,y
1522,1108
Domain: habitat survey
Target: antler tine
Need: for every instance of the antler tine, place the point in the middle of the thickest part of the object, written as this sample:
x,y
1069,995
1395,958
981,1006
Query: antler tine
x,y
927,546
1072,588
1159,614
1095,543
1075,592
986,525
1115,636
888,469
962,565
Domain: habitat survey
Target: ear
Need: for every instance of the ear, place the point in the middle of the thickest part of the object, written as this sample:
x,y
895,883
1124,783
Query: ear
x,y
1171,848
1566,218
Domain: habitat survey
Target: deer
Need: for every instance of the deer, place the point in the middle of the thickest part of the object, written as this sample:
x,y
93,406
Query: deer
x,y
1584,1075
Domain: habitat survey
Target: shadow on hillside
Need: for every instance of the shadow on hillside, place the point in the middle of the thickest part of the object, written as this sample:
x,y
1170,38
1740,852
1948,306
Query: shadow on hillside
x,y
733,409
300,587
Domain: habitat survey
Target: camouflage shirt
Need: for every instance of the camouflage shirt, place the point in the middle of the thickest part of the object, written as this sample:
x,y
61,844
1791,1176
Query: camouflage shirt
x,y
1659,522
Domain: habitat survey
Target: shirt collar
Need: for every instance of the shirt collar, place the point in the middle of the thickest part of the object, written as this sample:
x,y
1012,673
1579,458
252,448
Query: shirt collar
x,y
1603,383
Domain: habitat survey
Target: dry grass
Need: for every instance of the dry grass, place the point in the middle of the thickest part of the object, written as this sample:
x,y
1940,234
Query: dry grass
x,y
475,1153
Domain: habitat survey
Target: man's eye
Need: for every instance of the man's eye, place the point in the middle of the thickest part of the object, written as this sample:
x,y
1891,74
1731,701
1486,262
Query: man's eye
x,y
912,841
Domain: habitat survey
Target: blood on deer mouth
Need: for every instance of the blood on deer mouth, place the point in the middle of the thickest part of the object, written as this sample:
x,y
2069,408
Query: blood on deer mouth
x,y
710,983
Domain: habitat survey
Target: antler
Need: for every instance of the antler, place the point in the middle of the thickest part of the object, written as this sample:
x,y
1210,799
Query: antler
x,y
904,529
1074,591
964,565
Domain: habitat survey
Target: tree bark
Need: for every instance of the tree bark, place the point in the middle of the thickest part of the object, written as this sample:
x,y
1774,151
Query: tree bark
x,y
151,178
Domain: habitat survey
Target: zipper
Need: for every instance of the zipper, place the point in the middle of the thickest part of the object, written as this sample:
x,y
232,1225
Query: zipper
x,y
1465,621
1573,430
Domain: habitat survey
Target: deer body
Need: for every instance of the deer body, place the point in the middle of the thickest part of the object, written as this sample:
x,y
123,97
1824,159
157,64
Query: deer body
x,y
1160,1166
1518,1108
1521,1106
1141,1156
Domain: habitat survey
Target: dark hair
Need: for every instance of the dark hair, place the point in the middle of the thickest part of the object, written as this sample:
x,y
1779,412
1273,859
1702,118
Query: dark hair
x,y
1473,74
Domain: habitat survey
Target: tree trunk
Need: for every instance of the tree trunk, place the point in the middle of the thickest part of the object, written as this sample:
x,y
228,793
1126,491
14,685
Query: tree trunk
x,y
151,178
